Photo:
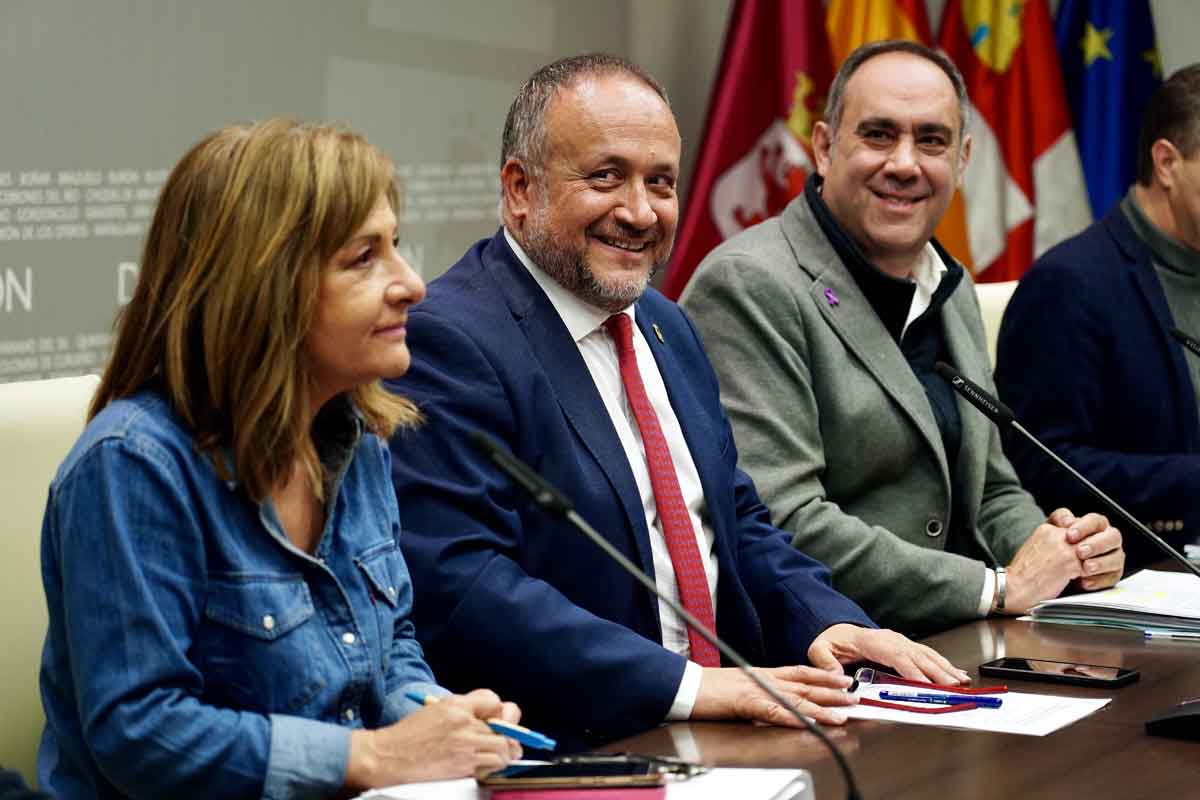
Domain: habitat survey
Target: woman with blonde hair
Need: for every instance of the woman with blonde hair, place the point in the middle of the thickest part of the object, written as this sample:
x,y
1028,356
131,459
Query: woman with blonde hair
x,y
229,610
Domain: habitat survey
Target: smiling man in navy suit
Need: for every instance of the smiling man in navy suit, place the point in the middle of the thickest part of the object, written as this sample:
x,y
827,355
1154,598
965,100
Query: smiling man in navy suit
x,y
547,337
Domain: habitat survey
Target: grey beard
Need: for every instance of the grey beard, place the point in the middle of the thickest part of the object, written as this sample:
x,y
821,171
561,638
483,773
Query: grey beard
x,y
570,269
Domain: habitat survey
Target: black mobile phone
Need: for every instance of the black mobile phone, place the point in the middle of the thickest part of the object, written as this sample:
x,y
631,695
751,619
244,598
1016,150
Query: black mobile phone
x,y
1038,669
591,774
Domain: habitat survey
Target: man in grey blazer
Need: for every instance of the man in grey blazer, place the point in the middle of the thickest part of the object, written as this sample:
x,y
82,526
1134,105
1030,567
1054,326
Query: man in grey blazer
x,y
824,325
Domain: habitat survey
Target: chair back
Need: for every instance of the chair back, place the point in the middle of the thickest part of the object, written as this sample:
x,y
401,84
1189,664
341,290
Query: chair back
x,y
993,298
39,422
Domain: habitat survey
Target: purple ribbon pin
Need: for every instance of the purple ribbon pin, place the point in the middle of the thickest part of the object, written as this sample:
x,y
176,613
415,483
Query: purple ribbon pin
x,y
831,297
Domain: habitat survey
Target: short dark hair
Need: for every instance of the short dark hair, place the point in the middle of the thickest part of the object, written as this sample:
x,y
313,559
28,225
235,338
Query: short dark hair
x,y
861,55
524,127
1173,113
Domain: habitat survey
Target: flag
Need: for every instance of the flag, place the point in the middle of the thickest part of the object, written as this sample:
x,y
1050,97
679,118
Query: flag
x,y
757,147
1111,67
1023,188
852,23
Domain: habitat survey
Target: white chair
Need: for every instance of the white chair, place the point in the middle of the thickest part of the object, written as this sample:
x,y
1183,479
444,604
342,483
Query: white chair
x,y
39,421
993,299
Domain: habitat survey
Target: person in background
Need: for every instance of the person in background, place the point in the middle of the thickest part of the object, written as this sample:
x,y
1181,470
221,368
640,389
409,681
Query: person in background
x,y
1085,357
229,609
546,336
825,324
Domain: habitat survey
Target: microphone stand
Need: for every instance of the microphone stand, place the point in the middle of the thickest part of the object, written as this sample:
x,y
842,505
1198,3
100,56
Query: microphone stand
x,y
1003,417
555,502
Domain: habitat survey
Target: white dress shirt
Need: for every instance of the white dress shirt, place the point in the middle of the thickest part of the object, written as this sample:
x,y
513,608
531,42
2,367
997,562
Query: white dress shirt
x,y
585,324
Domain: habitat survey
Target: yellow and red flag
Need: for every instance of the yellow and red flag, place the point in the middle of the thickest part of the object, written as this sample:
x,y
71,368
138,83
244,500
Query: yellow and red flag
x,y
852,23
1023,188
757,147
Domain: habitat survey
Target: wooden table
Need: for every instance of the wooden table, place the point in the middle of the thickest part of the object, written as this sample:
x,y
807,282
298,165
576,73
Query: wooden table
x,y
1105,755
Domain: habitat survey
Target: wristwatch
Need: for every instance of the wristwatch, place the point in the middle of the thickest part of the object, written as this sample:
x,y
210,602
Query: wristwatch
x,y
1001,586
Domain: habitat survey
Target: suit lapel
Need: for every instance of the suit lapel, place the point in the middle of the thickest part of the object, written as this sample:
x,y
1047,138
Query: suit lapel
x,y
849,314
558,355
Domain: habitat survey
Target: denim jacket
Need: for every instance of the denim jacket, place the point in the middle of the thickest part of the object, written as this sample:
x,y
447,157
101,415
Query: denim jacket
x,y
192,649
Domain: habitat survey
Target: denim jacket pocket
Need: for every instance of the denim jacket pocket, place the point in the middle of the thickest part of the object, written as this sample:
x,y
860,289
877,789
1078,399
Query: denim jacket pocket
x,y
383,566
261,647
263,606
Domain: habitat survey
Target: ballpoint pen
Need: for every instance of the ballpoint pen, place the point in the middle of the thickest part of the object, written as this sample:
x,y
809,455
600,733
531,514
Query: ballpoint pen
x,y
510,729
942,699
1183,636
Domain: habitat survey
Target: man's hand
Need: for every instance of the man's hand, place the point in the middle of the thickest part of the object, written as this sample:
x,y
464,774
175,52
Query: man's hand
x,y
1098,547
728,694
446,739
844,643
1059,551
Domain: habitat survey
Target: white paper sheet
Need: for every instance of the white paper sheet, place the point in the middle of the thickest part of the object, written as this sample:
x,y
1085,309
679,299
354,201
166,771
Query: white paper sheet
x,y
745,784
1021,712
716,784
461,789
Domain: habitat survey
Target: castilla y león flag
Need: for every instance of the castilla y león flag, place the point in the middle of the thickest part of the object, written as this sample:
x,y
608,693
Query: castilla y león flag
x,y
757,149
1023,187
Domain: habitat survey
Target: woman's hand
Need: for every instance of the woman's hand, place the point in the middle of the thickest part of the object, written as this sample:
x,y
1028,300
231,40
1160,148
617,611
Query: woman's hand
x,y
447,739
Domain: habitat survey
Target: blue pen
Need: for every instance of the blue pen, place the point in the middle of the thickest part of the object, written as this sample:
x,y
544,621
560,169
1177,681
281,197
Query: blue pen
x,y
981,701
510,729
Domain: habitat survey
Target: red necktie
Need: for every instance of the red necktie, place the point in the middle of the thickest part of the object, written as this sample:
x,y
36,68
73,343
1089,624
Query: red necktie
x,y
672,512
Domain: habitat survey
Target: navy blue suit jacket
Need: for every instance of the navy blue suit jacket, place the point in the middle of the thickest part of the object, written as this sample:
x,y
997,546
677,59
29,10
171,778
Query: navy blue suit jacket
x,y
509,598
1085,360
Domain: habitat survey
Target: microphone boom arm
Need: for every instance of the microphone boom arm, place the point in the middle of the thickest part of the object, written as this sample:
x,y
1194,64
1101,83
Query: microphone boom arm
x,y
555,502
1000,414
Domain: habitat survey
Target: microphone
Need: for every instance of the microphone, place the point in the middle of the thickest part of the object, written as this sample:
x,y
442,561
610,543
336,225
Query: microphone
x,y
1004,418
555,502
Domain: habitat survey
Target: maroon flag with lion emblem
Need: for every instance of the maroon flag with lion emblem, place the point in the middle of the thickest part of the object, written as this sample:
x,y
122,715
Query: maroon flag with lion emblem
x,y
757,147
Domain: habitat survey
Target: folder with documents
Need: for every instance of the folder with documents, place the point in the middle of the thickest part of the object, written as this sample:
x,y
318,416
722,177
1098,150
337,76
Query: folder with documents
x,y
1150,601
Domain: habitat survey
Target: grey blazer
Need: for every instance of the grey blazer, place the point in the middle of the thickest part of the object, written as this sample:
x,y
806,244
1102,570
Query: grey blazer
x,y
837,432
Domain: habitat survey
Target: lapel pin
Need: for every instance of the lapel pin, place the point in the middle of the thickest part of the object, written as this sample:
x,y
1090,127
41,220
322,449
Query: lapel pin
x,y
657,332
831,297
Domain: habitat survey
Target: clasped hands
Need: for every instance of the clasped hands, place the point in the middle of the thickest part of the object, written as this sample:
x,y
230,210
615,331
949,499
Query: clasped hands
x,y
1063,549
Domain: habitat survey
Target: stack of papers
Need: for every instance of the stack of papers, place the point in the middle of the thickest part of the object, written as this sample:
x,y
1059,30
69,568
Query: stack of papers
x,y
1154,603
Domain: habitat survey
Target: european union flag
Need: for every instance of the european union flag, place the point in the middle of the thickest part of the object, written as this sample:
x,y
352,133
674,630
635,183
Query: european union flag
x,y
1110,66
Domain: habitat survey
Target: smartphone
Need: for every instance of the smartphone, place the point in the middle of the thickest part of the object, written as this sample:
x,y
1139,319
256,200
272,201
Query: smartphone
x,y
563,776
1037,669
